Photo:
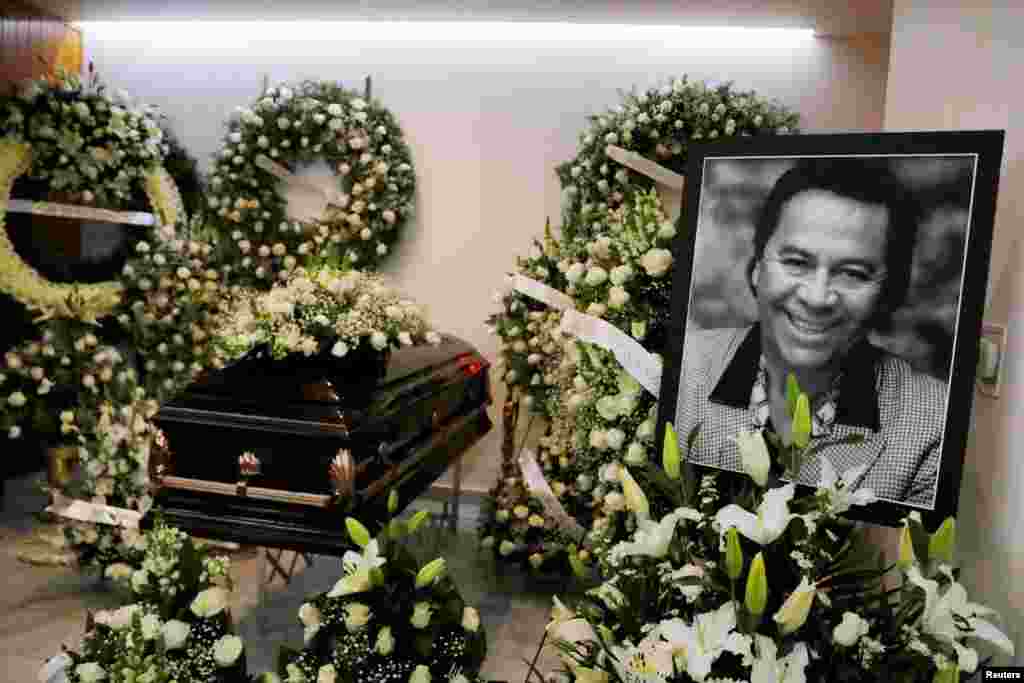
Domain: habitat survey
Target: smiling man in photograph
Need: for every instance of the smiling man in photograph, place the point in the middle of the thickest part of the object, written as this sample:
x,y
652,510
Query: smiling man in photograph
x,y
833,249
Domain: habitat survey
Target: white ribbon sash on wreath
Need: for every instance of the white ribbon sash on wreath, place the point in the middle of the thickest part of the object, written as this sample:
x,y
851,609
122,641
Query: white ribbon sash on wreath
x,y
644,366
85,213
632,356
542,293
538,486
84,511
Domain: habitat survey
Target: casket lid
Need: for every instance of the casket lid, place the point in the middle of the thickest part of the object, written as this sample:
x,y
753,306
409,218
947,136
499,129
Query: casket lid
x,y
323,391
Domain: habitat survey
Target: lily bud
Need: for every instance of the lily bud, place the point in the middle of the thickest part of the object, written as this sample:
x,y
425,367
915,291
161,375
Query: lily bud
x,y
357,532
670,453
634,495
417,520
794,611
906,557
943,542
754,456
392,502
733,554
757,587
430,572
802,422
578,568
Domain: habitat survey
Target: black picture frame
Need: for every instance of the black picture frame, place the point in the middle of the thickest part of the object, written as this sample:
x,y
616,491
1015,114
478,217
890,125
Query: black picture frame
x,y
982,151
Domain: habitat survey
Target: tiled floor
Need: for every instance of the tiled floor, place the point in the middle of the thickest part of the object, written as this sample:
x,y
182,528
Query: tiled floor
x,y
43,607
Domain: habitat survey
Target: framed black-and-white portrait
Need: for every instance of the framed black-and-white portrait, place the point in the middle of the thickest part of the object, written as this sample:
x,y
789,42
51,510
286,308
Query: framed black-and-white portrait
x,y
857,263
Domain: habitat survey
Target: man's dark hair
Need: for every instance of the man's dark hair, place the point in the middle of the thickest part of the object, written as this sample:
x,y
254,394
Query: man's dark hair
x,y
871,181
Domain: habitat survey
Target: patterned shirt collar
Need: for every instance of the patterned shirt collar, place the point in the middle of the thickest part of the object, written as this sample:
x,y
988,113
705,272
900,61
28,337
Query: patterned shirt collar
x,y
822,419
854,397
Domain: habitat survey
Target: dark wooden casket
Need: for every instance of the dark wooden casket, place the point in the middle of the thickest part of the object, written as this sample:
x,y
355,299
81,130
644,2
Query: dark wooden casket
x,y
399,422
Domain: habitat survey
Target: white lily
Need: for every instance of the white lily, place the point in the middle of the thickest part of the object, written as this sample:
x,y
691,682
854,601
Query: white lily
x,y
754,455
648,662
942,612
767,668
837,489
652,538
768,524
793,613
701,643
357,570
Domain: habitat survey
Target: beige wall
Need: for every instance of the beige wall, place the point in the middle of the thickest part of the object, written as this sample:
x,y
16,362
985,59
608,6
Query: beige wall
x,y
956,66
487,123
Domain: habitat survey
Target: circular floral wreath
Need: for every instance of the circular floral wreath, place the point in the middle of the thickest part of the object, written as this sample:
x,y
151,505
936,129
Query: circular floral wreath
x,y
613,259
659,124
289,126
90,149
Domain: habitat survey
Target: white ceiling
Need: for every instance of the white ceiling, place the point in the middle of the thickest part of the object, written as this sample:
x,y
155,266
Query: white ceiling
x,y
833,17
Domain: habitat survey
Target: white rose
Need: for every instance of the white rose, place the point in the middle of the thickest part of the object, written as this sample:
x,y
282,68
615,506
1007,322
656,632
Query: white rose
x,y
283,123
405,338
596,276
175,634
636,454
666,231
470,619
421,614
17,399
617,297
616,437
356,616
850,630
420,675
309,615
656,262
379,340
614,502
620,275
90,672
575,272
210,602
385,642
334,109
227,650
150,626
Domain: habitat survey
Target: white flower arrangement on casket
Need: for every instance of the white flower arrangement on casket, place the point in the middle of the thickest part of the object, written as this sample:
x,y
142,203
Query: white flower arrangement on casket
x,y
324,310
772,587
387,619
178,627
